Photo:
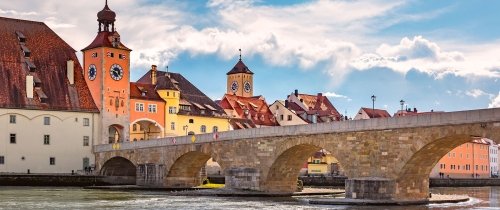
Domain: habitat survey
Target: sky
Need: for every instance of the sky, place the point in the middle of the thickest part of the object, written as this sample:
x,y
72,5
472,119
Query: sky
x,y
435,55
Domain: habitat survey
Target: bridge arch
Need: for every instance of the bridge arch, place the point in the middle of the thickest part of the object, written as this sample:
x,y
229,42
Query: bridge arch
x,y
185,170
118,166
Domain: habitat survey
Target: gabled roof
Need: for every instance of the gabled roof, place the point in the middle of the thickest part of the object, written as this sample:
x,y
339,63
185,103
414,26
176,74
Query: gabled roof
x,y
240,67
104,39
48,55
317,105
256,108
196,99
144,92
376,113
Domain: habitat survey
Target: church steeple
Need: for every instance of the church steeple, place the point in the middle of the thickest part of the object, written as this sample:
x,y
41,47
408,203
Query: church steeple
x,y
240,80
106,18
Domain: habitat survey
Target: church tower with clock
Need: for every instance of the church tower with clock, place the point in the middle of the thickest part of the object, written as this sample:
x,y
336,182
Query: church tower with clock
x,y
240,80
106,64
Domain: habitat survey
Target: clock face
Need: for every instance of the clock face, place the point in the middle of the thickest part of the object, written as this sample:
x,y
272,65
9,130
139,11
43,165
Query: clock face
x,y
247,87
116,72
234,86
92,72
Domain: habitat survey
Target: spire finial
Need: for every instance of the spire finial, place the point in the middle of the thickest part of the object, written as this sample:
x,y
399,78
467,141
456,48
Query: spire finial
x,y
239,49
106,2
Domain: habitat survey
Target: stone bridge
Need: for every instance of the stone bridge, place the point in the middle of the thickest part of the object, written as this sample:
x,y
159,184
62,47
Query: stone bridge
x,y
385,158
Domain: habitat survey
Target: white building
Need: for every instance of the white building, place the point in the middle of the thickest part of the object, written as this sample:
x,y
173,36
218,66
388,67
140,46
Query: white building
x,y
47,115
285,116
493,157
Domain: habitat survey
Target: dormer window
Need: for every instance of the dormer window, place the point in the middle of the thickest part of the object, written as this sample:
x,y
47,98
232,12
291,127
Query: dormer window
x,y
21,37
26,51
31,66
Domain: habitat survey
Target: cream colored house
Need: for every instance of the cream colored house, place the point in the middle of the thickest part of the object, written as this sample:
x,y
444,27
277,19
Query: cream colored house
x,y
46,141
48,119
285,116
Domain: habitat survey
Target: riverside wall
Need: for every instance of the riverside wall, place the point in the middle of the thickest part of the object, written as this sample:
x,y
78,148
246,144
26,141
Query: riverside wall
x,y
62,180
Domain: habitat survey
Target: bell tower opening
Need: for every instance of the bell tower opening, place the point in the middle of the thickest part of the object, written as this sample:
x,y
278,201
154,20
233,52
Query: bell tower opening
x,y
106,18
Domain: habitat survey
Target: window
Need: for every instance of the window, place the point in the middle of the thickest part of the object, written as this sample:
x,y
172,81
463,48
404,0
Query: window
x,y
86,122
289,117
121,56
2,160
139,107
46,139
172,110
152,108
203,129
94,55
185,108
168,93
191,121
172,126
215,129
134,127
12,138
281,117
46,120
202,111
86,141
52,160
12,119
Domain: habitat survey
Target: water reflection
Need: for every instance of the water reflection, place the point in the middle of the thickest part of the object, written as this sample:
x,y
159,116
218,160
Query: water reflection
x,y
78,198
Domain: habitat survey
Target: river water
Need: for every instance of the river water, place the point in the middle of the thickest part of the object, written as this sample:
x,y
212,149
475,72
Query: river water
x,y
78,198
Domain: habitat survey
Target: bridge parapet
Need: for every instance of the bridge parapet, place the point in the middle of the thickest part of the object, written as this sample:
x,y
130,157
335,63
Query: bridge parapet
x,y
435,119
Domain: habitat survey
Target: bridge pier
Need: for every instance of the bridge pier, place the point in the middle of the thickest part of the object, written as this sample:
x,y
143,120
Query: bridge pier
x,y
243,178
150,175
375,188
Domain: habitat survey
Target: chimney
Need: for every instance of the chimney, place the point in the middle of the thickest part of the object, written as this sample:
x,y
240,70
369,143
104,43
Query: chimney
x,y
415,110
286,103
153,74
70,71
29,86
320,95
296,92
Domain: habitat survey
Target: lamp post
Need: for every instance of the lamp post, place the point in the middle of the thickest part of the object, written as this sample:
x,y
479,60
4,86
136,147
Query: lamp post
x,y
373,105
402,103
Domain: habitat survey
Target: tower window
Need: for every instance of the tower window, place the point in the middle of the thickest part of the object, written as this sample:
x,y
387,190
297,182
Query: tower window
x,y
12,119
110,54
46,139
94,55
52,160
2,160
85,141
46,120
12,138
121,56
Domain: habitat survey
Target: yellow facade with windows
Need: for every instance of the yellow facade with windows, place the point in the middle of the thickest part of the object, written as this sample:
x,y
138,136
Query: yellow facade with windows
x,y
179,125
324,163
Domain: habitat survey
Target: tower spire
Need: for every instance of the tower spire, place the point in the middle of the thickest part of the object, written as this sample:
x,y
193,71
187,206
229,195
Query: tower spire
x,y
239,49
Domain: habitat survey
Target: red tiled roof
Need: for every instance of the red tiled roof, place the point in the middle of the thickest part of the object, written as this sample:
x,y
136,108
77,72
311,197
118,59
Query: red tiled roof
x,y
189,93
240,123
260,114
240,67
103,39
49,53
317,104
376,113
137,90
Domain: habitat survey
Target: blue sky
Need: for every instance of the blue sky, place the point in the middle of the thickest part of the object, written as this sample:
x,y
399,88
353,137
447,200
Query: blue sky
x,y
435,55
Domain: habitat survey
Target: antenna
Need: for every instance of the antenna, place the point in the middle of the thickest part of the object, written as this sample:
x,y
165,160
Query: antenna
x,y
239,49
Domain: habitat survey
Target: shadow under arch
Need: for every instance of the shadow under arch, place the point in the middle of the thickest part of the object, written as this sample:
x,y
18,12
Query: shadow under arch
x,y
118,166
413,178
282,176
185,171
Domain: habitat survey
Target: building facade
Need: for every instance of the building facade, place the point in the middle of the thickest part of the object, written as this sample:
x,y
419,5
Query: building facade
x,y
285,116
48,117
368,113
469,160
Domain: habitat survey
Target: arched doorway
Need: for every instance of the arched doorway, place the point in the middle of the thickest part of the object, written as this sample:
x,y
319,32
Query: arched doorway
x,y
145,129
115,133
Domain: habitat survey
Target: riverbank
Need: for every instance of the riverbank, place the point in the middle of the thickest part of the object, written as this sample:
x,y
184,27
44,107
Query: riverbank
x,y
435,199
62,180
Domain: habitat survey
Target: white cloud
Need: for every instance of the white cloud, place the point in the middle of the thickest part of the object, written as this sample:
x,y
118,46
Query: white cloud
x,y
475,93
495,102
335,95
426,56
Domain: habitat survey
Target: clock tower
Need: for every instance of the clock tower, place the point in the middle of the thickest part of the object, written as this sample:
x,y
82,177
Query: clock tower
x,y
106,66
240,80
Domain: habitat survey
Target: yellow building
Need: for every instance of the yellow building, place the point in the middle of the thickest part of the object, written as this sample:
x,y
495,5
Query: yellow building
x,y
323,163
187,109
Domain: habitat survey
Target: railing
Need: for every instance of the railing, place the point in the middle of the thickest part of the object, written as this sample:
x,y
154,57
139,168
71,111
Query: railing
x,y
435,119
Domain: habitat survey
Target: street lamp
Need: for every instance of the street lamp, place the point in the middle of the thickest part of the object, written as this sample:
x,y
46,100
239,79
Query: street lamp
x,y
373,105
402,103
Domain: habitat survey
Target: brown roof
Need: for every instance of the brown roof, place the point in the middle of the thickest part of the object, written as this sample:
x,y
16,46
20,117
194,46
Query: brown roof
x,y
144,92
258,110
317,105
240,67
198,100
240,123
104,39
48,58
376,113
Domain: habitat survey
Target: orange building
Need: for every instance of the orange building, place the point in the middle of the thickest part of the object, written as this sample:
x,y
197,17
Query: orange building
x,y
147,113
469,160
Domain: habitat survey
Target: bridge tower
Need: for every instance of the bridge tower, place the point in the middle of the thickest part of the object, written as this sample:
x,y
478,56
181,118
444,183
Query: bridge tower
x,y
106,64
